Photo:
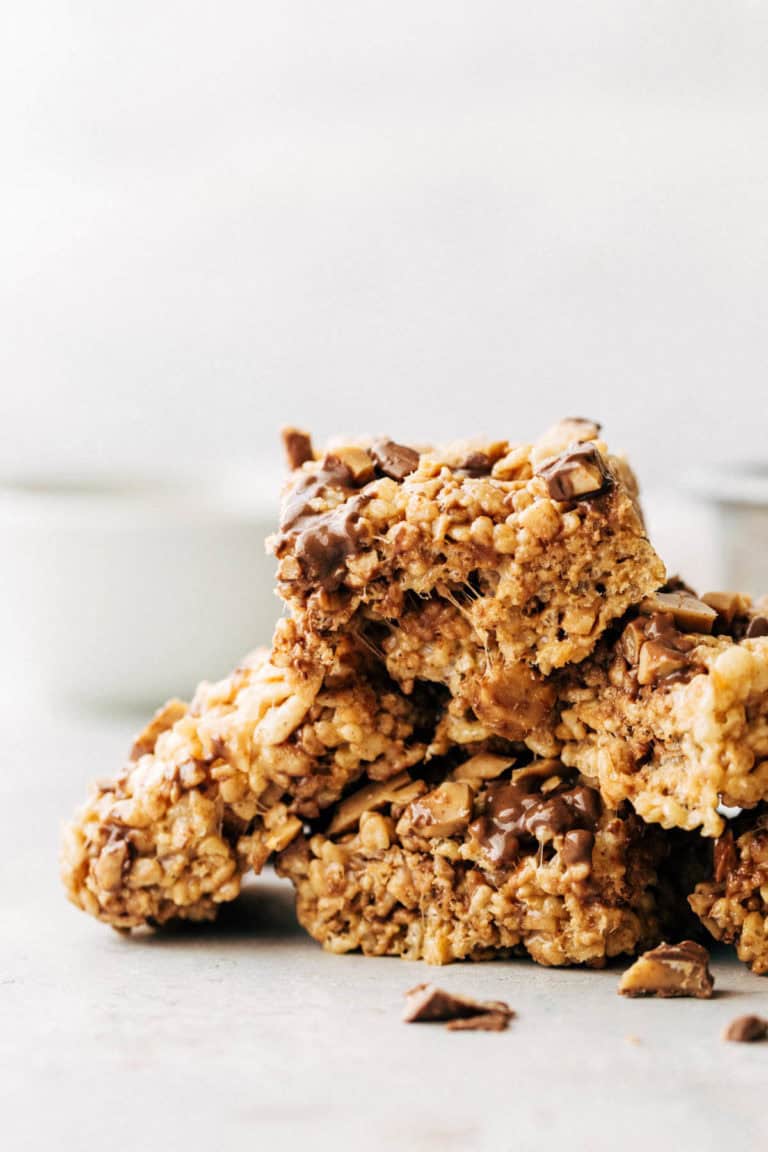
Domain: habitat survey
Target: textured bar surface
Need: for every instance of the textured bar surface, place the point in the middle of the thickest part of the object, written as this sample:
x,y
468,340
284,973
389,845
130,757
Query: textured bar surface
x,y
733,902
493,861
215,787
673,718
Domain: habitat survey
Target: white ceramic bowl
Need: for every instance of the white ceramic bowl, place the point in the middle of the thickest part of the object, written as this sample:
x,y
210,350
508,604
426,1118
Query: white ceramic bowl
x,y
123,590
737,496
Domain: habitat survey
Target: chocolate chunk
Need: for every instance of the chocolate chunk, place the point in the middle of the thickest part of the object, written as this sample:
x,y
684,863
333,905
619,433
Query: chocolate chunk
x,y
746,1029
444,811
689,613
297,446
732,611
518,818
657,661
758,626
656,648
476,464
322,540
579,473
394,460
426,1004
661,626
487,1022
323,547
333,474
577,847
670,970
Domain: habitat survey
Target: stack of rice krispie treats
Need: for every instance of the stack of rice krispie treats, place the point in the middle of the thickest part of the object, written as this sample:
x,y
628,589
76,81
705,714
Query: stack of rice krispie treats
x,y
488,725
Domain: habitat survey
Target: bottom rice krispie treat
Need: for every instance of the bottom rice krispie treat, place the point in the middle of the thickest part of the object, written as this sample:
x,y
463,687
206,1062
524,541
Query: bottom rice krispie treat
x,y
497,859
214,787
733,902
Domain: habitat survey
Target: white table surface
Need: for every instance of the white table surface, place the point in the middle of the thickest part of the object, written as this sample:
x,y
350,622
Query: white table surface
x,y
247,1032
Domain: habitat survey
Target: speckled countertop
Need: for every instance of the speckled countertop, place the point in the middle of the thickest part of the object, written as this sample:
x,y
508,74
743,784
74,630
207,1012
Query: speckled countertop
x,y
246,1032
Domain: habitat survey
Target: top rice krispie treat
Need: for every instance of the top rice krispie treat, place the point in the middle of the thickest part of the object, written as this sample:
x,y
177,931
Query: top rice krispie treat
x,y
540,545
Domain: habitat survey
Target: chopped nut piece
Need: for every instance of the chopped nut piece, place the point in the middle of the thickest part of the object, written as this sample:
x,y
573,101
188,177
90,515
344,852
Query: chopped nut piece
x,y
514,703
657,661
358,461
297,446
483,766
632,640
400,789
540,770
746,1029
444,811
724,855
162,720
579,473
690,613
427,1003
280,837
670,970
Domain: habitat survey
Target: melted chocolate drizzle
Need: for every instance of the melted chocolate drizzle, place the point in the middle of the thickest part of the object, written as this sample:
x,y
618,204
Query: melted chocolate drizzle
x,y
517,819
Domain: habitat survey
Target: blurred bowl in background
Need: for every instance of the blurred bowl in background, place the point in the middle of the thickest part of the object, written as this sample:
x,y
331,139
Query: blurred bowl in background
x,y
737,498
120,590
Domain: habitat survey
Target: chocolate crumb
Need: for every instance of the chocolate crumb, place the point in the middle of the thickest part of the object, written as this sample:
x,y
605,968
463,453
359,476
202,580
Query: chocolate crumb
x,y
758,626
394,460
746,1029
487,1022
427,1003
670,970
297,446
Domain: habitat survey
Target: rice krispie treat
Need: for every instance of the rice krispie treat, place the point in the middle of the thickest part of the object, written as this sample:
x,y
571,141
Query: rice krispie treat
x,y
499,857
672,712
537,546
213,788
733,902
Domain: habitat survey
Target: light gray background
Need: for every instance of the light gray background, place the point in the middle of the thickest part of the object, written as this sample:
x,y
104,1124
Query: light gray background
x,y
430,218
427,218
